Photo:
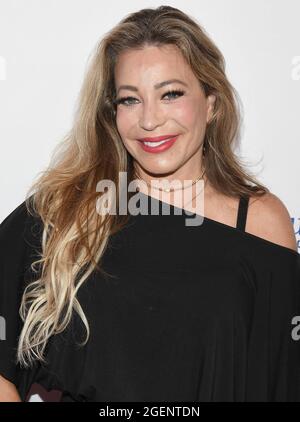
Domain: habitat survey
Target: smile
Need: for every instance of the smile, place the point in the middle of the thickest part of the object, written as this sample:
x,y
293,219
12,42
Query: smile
x,y
158,146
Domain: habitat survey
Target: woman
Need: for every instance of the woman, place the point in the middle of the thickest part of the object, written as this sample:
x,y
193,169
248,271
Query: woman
x,y
142,307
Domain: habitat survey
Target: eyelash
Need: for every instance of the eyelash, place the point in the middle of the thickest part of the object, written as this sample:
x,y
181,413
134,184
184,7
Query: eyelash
x,y
172,92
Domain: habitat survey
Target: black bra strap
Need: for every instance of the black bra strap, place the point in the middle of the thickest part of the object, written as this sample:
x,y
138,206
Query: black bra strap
x,y
242,213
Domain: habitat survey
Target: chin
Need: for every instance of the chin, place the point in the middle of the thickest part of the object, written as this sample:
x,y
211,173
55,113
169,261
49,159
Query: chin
x,y
159,171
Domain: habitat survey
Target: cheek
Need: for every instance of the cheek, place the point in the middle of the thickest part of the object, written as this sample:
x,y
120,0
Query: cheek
x,y
124,124
188,114
193,116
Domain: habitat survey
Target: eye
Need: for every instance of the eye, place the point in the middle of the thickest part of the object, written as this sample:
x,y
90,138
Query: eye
x,y
172,93
123,99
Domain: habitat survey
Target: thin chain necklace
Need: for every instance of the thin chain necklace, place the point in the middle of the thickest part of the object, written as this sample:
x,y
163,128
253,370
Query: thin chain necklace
x,y
173,189
168,190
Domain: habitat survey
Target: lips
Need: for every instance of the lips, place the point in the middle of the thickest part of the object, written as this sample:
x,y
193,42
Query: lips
x,y
158,146
157,138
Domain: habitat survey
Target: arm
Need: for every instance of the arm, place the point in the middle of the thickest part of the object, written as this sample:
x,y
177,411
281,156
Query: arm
x,y
8,391
12,266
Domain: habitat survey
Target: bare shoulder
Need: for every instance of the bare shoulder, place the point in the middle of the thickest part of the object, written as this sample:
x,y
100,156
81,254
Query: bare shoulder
x,y
268,217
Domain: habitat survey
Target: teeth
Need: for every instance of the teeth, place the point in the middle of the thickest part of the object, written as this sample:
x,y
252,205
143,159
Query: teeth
x,y
155,144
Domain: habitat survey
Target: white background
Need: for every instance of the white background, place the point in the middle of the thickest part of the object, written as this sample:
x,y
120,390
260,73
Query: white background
x,y
44,48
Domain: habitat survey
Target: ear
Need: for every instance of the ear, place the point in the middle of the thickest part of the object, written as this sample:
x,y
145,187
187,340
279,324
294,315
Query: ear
x,y
210,107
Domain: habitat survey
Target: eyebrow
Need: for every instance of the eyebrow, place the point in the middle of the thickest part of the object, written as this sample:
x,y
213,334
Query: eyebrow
x,y
156,86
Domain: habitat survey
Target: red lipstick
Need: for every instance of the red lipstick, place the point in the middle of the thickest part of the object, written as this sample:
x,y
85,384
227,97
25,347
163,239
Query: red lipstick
x,y
163,143
157,138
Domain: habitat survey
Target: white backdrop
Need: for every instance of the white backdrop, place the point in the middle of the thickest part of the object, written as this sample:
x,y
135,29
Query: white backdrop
x,y
44,48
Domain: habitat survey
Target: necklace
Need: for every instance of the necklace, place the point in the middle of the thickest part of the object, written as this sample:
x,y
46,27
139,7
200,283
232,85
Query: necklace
x,y
173,189
196,193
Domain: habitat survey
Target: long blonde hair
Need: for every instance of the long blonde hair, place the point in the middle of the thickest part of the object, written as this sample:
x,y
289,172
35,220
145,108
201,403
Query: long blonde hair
x,y
75,235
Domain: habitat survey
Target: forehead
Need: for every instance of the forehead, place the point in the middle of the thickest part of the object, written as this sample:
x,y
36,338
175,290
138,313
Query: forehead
x,y
150,64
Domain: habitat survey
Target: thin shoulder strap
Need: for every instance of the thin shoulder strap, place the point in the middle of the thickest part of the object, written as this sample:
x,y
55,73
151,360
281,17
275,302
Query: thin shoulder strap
x,y
242,212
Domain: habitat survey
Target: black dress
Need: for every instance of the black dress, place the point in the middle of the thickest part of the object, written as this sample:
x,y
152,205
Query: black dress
x,y
193,313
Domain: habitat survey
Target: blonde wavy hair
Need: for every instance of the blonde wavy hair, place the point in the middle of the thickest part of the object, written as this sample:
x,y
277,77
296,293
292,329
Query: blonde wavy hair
x,y
75,235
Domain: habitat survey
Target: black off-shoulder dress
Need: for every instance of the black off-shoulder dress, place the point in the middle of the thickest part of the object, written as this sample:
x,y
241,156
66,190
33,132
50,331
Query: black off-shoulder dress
x,y
192,313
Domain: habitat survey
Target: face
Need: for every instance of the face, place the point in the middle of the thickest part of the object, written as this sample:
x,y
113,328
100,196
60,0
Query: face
x,y
147,108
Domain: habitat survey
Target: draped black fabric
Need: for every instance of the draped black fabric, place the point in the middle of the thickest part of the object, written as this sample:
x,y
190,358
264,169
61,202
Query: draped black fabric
x,y
192,313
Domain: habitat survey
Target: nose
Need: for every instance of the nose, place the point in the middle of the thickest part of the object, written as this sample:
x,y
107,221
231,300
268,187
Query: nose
x,y
151,116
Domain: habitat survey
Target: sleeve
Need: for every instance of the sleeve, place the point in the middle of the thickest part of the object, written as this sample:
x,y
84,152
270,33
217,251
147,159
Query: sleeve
x,y
284,330
274,343
14,261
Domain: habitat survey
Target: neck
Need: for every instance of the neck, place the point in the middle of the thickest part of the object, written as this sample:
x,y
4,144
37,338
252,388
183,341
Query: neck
x,y
178,179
